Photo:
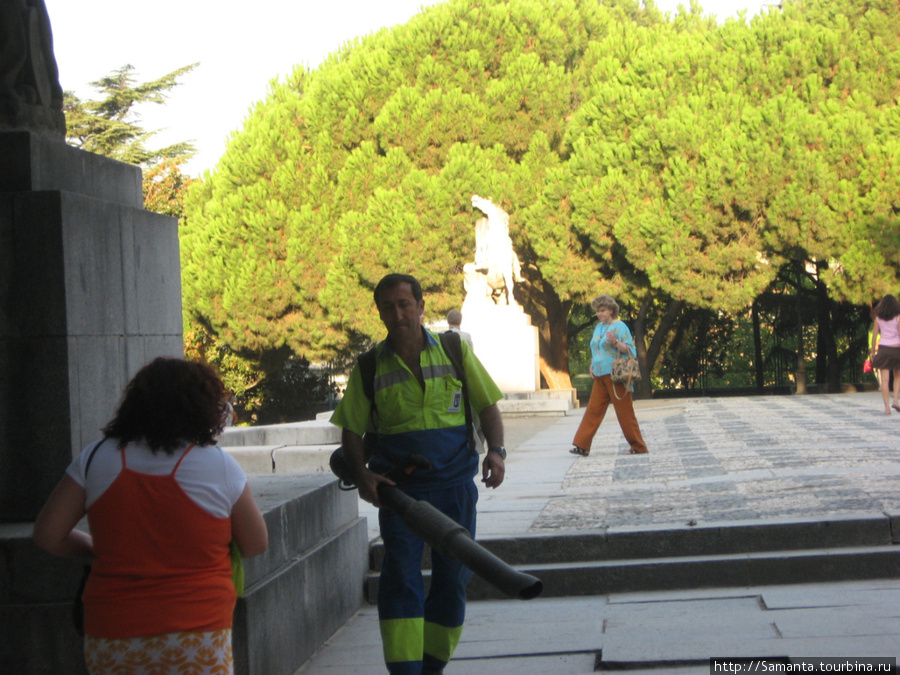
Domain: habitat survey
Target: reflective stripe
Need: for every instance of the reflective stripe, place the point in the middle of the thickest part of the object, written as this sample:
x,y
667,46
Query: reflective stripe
x,y
406,406
390,379
402,639
440,641
400,376
432,372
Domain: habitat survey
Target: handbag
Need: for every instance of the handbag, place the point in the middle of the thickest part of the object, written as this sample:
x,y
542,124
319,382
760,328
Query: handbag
x,y
237,568
867,366
625,370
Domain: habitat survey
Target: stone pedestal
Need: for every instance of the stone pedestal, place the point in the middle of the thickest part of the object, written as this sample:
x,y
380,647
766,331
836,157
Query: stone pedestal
x,y
90,290
505,342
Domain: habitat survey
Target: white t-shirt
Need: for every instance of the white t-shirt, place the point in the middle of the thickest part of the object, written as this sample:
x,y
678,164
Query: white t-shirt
x,y
208,475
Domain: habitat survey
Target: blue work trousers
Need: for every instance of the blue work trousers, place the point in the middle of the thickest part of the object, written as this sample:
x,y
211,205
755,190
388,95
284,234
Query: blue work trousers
x,y
418,630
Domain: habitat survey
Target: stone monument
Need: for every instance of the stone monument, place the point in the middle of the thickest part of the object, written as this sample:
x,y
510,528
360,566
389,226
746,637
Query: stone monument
x,y
505,341
30,94
90,289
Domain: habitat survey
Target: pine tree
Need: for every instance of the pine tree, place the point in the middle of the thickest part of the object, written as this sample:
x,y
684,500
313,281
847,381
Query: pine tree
x,y
671,163
107,126
368,164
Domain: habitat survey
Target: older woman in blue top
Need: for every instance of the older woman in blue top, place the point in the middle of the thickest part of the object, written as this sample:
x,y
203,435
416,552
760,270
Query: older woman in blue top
x,y
611,337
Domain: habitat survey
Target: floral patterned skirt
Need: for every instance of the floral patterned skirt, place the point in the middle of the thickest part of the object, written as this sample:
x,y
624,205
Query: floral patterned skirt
x,y
169,654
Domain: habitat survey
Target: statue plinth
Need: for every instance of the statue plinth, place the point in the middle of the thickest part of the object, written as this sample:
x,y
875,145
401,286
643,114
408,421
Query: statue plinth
x,y
505,341
90,290
16,115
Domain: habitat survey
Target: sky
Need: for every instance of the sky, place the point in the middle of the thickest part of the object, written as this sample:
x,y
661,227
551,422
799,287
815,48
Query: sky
x,y
239,48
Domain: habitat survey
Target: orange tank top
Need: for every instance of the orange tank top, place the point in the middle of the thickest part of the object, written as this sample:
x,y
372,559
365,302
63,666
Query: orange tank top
x,y
161,563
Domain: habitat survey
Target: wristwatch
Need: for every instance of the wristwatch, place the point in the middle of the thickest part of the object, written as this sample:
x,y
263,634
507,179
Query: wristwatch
x,y
499,449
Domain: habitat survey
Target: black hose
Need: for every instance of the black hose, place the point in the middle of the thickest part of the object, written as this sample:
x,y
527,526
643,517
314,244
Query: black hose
x,y
453,540
447,536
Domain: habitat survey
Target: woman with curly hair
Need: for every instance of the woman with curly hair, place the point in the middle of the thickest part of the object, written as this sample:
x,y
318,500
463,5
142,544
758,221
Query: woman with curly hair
x,y
610,337
164,506
886,359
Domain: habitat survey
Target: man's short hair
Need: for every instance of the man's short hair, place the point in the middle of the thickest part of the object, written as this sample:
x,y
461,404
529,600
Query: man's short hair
x,y
393,280
454,317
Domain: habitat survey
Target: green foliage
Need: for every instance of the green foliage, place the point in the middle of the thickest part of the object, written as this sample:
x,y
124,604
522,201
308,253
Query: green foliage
x,y
667,162
108,126
164,185
368,164
239,375
273,387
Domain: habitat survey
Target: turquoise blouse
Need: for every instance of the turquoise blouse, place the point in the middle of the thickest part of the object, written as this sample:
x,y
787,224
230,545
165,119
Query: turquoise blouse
x,y
602,352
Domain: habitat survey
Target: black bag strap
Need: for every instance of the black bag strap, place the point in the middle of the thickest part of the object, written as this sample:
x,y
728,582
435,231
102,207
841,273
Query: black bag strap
x,y
91,456
78,603
452,344
366,362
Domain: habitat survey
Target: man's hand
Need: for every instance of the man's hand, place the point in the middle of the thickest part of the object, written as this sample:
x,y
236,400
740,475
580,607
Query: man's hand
x,y
367,484
493,469
354,458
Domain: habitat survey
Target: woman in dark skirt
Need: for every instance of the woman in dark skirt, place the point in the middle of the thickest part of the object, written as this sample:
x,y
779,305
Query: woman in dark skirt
x,y
887,358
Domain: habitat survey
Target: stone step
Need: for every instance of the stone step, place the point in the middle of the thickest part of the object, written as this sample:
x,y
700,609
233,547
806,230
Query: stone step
x,y
310,432
659,574
747,569
265,459
622,543
306,446
541,402
541,395
714,555
530,407
320,431
315,557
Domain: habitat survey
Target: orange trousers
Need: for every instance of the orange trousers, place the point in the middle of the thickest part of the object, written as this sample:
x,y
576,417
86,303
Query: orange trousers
x,y
601,395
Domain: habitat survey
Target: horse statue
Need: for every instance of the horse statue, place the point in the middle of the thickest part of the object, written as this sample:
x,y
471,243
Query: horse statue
x,y
495,258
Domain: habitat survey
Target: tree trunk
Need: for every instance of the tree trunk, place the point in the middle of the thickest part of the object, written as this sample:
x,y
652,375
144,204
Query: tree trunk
x,y
757,349
553,339
642,389
647,355
801,361
827,367
554,377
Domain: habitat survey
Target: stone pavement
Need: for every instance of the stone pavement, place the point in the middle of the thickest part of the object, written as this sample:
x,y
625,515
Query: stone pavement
x,y
715,460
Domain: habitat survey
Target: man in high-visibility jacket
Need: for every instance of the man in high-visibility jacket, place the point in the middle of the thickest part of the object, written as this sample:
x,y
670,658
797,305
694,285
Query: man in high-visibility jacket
x,y
419,409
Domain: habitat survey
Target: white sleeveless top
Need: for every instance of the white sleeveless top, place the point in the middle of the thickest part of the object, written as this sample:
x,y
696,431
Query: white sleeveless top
x,y
209,476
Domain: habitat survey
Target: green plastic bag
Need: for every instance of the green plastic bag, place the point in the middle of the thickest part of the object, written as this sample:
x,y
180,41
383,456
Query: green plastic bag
x,y
237,568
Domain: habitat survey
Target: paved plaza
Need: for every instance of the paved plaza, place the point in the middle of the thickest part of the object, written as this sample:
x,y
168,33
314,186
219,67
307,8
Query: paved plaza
x,y
733,459
711,460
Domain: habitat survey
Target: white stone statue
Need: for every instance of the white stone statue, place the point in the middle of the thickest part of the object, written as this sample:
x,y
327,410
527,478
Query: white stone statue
x,y
496,266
